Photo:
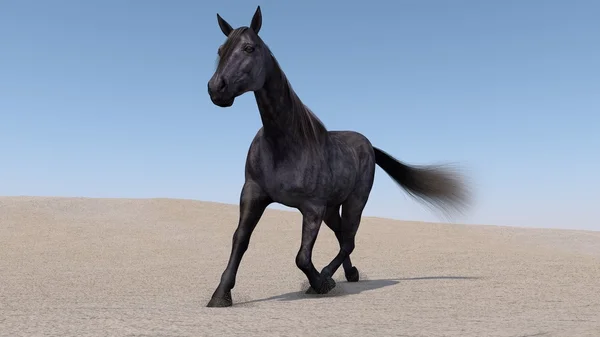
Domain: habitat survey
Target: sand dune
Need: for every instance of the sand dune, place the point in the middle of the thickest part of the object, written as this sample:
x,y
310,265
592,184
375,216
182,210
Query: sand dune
x,y
121,267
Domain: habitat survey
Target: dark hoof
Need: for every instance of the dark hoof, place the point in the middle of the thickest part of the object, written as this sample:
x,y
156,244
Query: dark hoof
x,y
326,286
310,291
352,275
220,302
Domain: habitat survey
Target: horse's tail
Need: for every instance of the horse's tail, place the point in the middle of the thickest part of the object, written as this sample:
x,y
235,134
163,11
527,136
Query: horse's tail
x,y
435,185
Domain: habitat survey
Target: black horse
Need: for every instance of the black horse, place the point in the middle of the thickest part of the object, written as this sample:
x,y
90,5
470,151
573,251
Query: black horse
x,y
295,161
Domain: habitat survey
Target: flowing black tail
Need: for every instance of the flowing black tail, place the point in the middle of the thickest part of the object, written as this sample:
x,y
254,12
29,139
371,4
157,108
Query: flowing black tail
x,y
435,185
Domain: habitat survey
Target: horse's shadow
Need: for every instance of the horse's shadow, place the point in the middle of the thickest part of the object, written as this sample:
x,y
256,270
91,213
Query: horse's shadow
x,y
344,288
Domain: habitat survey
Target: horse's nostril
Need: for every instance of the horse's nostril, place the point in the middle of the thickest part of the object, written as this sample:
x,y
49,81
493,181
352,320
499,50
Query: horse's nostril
x,y
221,85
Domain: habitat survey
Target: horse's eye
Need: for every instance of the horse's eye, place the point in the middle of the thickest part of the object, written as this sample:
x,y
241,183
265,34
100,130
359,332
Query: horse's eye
x,y
248,49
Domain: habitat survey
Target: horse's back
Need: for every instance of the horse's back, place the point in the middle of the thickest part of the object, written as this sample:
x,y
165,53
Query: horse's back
x,y
355,142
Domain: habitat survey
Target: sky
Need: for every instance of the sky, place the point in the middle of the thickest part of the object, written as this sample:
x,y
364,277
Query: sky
x,y
108,98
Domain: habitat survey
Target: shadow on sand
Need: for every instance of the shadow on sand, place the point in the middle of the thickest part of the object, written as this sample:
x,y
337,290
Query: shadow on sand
x,y
344,288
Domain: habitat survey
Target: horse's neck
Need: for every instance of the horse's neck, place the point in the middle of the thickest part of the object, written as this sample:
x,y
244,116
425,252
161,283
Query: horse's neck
x,y
280,111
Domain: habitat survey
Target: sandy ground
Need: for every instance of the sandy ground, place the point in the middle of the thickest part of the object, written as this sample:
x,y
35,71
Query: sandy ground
x,y
119,267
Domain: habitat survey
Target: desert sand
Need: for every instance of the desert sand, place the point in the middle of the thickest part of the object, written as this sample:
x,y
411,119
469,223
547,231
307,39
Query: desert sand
x,y
147,267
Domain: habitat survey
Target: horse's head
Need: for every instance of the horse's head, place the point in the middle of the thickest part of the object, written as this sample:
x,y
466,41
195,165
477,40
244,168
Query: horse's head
x,y
243,62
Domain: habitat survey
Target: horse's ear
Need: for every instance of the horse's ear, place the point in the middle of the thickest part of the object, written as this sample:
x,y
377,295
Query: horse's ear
x,y
256,21
225,27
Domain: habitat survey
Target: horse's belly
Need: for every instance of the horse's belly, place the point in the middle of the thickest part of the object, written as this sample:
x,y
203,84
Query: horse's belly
x,y
294,190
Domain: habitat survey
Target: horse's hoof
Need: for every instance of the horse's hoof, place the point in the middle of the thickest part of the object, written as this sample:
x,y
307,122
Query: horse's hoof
x,y
310,291
326,286
352,275
220,302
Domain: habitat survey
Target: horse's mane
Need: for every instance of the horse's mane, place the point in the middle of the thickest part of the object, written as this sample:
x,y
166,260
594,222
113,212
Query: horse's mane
x,y
311,128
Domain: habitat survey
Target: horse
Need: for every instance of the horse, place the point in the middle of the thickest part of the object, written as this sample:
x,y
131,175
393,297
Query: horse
x,y
294,160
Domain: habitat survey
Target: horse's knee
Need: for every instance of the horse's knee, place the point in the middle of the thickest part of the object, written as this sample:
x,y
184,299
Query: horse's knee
x,y
302,260
348,246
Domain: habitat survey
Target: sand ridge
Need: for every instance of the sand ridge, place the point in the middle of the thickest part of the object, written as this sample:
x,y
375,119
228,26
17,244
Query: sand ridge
x,y
147,267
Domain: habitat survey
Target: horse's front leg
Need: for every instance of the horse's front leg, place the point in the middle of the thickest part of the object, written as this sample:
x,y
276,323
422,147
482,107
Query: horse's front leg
x,y
253,202
312,216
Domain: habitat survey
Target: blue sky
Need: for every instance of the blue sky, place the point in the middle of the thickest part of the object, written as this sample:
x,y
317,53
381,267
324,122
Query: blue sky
x,y
108,98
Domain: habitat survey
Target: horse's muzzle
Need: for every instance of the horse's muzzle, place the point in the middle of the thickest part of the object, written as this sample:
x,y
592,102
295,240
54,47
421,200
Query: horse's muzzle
x,y
220,97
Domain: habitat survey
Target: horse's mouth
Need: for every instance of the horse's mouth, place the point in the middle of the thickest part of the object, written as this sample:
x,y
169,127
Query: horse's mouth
x,y
223,102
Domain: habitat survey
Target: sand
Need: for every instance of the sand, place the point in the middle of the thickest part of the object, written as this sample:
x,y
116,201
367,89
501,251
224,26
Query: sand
x,y
147,267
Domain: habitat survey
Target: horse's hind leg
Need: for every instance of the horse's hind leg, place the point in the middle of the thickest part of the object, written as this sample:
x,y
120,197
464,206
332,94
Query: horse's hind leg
x,y
334,222
351,213
312,216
